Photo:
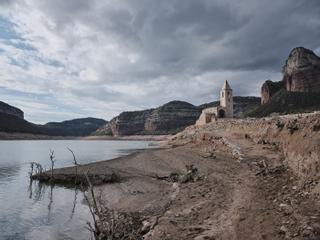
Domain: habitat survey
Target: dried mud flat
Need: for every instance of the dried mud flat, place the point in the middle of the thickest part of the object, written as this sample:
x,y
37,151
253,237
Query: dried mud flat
x,y
245,187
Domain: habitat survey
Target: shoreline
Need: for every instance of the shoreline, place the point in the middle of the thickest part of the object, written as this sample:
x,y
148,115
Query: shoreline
x,y
29,136
244,186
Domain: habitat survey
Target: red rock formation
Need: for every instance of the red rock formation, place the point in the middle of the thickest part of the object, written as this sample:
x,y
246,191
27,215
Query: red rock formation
x,y
301,73
268,89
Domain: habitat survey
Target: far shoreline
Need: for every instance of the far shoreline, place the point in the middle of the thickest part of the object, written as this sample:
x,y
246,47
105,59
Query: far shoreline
x,y
5,136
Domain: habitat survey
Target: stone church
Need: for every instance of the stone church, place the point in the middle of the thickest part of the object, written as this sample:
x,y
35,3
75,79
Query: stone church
x,y
225,110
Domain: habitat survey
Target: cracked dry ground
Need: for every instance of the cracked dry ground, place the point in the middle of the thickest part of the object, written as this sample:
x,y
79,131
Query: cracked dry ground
x,y
252,198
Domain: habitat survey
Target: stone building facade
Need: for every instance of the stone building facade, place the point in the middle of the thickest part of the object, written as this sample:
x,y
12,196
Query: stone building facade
x,y
225,110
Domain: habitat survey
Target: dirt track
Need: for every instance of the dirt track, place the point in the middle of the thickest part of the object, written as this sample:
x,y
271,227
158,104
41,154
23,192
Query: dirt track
x,y
249,194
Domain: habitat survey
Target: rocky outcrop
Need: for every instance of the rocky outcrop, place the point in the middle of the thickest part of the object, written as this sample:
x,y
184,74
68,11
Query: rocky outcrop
x,y
7,109
128,123
167,119
299,89
170,118
301,73
268,89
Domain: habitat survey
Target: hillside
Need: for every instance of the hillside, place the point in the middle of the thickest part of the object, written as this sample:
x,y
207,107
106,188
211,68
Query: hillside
x,y
75,127
78,127
8,109
284,102
169,118
10,123
166,119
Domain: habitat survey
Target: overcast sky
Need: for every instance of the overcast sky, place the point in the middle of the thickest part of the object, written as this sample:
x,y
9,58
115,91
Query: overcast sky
x,y
63,59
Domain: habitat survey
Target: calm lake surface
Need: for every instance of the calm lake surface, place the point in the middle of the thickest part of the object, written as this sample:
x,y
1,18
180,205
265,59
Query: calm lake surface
x,y
33,211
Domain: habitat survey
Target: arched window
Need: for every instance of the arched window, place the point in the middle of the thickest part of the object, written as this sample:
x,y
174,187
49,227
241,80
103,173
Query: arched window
x,y
222,94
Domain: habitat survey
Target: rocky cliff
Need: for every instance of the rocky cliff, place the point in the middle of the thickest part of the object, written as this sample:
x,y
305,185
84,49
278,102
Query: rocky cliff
x,y
269,89
170,118
301,73
8,109
298,91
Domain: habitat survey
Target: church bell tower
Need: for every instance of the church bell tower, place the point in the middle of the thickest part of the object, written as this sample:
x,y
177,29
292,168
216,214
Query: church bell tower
x,y
226,99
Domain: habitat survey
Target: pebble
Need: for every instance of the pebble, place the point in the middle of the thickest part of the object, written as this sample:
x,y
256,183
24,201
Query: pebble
x,y
283,229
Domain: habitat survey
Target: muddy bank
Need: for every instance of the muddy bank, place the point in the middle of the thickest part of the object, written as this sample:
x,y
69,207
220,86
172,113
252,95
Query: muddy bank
x,y
246,188
297,137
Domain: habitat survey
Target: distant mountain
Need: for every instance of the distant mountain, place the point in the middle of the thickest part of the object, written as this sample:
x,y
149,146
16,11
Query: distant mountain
x,y
299,90
76,127
11,121
169,118
8,109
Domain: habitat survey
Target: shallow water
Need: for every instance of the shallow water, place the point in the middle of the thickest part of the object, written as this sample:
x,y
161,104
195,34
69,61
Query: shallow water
x,y
33,211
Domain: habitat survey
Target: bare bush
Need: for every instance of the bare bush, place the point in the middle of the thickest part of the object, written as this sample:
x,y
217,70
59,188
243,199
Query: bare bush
x,y
35,169
108,223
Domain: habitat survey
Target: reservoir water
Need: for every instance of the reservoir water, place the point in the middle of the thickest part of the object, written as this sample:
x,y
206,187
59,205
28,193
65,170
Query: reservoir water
x,y
33,211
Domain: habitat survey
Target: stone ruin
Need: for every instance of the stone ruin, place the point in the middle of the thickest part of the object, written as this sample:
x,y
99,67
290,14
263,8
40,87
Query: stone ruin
x,y
225,110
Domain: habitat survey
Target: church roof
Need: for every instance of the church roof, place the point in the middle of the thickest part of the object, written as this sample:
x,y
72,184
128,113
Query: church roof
x,y
226,85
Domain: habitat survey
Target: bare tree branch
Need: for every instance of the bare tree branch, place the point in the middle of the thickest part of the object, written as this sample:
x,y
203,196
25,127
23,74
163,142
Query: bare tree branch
x,y
75,162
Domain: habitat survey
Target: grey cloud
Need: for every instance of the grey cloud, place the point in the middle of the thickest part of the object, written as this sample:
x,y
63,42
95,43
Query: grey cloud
x,y
174,35
6,2
181,40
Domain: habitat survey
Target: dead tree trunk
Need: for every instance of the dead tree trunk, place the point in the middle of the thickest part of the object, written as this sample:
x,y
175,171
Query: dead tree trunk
x,y
52,162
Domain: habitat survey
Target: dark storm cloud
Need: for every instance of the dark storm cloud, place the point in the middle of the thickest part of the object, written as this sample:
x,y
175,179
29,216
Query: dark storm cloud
x,y
128,52
6,2
182,35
